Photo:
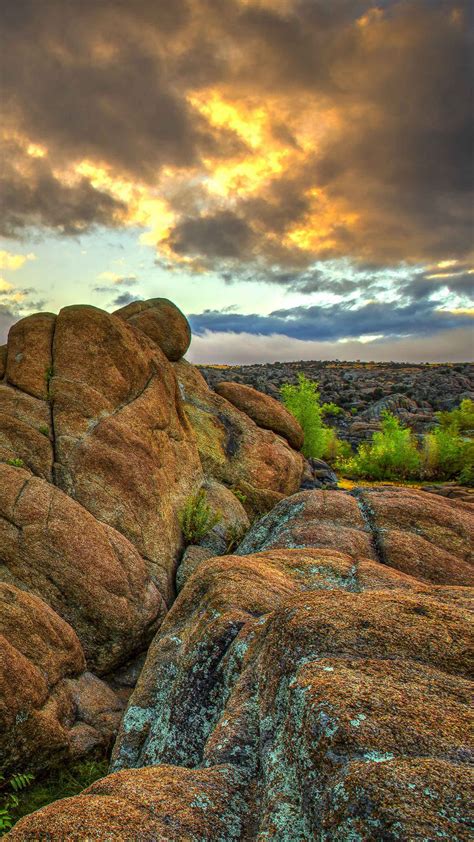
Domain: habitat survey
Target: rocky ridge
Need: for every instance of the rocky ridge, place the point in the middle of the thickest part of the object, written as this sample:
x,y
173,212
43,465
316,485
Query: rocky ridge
x,y
363,390
312,684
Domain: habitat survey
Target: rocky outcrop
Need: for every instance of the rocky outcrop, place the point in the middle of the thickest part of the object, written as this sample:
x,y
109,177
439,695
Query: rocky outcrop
x,y
233,449
425,536
85,570
163,322
264,410
47,710
362,390
30,354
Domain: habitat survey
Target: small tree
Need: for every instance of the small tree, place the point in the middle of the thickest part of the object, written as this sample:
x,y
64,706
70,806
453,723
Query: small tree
x,y
303,401
197,518
392,454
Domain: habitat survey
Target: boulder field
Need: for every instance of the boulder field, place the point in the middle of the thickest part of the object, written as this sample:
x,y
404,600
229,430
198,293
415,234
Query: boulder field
x,y
308,665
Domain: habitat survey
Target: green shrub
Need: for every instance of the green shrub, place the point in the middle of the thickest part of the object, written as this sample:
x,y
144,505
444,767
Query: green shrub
x,y
391,455
197,518
303,401
44,429
9,798
331,409
461,418
241,497
16,463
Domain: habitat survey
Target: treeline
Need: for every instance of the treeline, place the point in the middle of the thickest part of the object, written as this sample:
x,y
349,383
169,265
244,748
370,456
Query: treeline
x,y
394,453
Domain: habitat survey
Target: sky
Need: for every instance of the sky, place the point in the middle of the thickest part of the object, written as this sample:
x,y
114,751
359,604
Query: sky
x,y
296,175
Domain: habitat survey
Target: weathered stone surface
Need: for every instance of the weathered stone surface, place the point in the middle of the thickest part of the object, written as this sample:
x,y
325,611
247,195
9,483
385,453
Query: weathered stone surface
x,y
233,449
38,650
124,448
425,536
46,698
29,358
264,410
25,431
162,803
85,570
312,519
278,670
233,522
163,322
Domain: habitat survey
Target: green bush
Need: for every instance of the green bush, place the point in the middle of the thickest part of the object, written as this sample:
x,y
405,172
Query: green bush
x,y
10,790
197,518
391,455
461,418
303,401
16,463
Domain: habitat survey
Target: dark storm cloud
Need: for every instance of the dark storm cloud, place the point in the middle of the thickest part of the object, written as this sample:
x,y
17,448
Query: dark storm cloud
x,y
336,322
222,235
125,298
32,196
109,81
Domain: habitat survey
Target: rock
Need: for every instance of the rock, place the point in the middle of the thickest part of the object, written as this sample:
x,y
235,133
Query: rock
x,y
426,536
29,358
85,570
233,522
162,803
233,450
121,436
3,360
43,695
163,322
430,539
330,519
318,474
264,410
25,432
192,558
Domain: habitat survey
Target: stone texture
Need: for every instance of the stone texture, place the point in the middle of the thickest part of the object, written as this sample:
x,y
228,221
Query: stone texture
x,y
233,449
163,803
163,322
264,410
312,519
422,534
307,682
85,570
25,431
3,360
425,536
46,698
121,436
29,358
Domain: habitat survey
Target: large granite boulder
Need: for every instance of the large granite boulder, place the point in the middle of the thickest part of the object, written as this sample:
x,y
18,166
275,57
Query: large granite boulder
x,y
121,436
47,710
294,694
91,575
163,322
264,410
423,535
30,354
233,449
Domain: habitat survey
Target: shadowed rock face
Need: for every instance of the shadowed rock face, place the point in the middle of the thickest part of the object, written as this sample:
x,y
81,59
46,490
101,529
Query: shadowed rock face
x,y
264,410
233,449
47,710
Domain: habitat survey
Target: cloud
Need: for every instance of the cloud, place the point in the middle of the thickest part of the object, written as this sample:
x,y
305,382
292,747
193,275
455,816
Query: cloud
x,y
125,298
14,261
257,133
336,322
238,348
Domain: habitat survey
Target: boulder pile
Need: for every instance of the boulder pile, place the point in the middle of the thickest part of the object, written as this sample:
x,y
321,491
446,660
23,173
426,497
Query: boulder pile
x,y
308,663
362,390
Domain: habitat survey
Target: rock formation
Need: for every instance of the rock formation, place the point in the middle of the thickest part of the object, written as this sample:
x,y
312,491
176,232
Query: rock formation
x,y
313,684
